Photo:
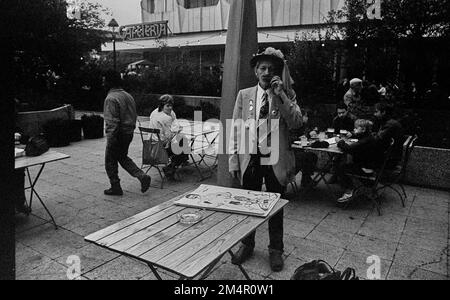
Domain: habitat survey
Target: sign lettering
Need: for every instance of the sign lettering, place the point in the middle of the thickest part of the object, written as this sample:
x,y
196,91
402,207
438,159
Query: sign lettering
x,y
144,31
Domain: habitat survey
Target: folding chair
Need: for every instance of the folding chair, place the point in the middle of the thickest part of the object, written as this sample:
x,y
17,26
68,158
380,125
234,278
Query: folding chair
x,y
157,132
372,181
395,177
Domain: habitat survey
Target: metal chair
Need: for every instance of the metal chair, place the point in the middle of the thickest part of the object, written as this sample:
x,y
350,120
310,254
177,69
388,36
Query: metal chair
x,y
372,181
395,177
145,164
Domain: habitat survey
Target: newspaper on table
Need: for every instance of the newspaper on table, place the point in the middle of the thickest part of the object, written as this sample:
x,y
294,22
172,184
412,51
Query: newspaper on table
x,y
238,201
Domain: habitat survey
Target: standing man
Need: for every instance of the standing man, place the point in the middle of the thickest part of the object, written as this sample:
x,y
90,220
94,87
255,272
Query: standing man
x,y
353,97
120,117
271,102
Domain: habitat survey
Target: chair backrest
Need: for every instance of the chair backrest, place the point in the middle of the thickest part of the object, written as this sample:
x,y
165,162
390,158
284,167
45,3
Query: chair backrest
x,y
387,157
402,163
152,131
409,150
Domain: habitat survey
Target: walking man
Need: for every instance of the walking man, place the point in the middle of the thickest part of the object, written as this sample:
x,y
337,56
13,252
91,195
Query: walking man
x,y
120,118
271,102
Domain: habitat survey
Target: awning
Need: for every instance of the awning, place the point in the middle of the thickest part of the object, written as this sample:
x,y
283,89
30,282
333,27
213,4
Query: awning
x,y
217,38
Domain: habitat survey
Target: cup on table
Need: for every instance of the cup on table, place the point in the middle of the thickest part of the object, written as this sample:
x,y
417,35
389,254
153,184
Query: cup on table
x,y
330,132
304,141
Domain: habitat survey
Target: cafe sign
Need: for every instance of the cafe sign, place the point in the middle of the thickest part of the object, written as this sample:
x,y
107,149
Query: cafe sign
x,y
153,30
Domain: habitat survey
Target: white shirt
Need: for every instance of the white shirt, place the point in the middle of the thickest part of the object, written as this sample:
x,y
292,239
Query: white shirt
x,y
259,97
167,124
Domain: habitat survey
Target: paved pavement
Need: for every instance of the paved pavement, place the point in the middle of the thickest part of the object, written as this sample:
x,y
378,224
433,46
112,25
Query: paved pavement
x,y
411,242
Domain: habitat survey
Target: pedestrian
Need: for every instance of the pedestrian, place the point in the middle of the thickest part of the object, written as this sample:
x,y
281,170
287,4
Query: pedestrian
x,y
120,118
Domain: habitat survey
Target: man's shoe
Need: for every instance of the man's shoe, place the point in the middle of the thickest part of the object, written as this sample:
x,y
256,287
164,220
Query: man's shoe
x,y
244,253
114,191
145,183
347,197
276,260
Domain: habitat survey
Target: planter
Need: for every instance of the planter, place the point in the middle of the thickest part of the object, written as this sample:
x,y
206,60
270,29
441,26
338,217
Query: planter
x,y
75,130
93,126
429,167
32,123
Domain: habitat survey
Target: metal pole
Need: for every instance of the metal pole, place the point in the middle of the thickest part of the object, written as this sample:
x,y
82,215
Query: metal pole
x,y
114,51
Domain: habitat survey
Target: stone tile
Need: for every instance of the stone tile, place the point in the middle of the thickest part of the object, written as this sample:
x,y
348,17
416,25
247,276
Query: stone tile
x,y
24,223
424,259
429,213
91,257
423,242
297,228
402,272
429,228
309,250
373,246
340,239
348,224
47,269
121,268
358,261
50,242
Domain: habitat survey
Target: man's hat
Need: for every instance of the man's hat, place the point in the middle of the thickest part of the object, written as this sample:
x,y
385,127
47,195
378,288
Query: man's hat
x,y
270,54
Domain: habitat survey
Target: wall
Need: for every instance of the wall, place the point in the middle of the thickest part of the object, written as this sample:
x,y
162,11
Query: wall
x,y
429,167
32,122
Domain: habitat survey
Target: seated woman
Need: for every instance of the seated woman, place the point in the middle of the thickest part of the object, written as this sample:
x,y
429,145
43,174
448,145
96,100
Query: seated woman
x,y
165,119
365,155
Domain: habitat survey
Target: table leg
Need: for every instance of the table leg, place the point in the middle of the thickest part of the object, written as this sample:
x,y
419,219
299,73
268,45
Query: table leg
x,y
155,272
240,266
34,192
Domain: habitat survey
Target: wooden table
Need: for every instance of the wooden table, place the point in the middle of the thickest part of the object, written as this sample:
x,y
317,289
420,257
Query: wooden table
x,y
26,162
157,238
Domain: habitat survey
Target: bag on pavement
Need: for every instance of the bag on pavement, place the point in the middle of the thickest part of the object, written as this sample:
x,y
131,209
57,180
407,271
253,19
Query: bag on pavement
x,y
321,270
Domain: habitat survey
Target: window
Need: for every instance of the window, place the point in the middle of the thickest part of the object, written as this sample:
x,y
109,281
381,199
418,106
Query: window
x,y
197,3
150,7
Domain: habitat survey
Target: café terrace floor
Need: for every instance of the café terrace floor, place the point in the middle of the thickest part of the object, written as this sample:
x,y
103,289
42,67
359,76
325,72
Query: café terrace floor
x,y
411,242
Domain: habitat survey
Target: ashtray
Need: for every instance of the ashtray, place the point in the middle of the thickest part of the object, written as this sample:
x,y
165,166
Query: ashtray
x,y
190,217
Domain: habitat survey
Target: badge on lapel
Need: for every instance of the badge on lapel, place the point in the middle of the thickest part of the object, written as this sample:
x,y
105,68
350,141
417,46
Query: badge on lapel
x,y
275,112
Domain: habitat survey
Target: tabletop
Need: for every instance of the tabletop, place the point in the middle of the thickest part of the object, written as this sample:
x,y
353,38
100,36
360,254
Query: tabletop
x,y
157,237
49,156
332,149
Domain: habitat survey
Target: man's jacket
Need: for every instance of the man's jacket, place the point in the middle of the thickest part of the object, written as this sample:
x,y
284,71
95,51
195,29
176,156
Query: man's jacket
x,y
282,116
119,113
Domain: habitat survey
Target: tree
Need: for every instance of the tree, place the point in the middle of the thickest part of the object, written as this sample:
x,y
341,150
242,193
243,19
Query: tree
x,y
408,43
49,46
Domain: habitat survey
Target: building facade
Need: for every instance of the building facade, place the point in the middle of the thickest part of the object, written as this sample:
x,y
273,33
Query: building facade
x,y
200,26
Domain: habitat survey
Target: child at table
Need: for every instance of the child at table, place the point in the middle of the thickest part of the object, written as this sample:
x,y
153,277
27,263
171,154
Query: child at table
x,y
365,156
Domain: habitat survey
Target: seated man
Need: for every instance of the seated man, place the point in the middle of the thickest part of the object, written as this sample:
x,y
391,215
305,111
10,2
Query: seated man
x,y
344,120
164,119
365,155
387,129
305,162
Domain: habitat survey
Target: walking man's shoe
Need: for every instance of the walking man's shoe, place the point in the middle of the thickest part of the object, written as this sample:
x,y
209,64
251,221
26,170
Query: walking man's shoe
x,y
114,191
244,253
145,183
276,260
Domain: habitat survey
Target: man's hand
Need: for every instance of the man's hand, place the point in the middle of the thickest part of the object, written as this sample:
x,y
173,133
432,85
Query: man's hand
x,y
277,85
